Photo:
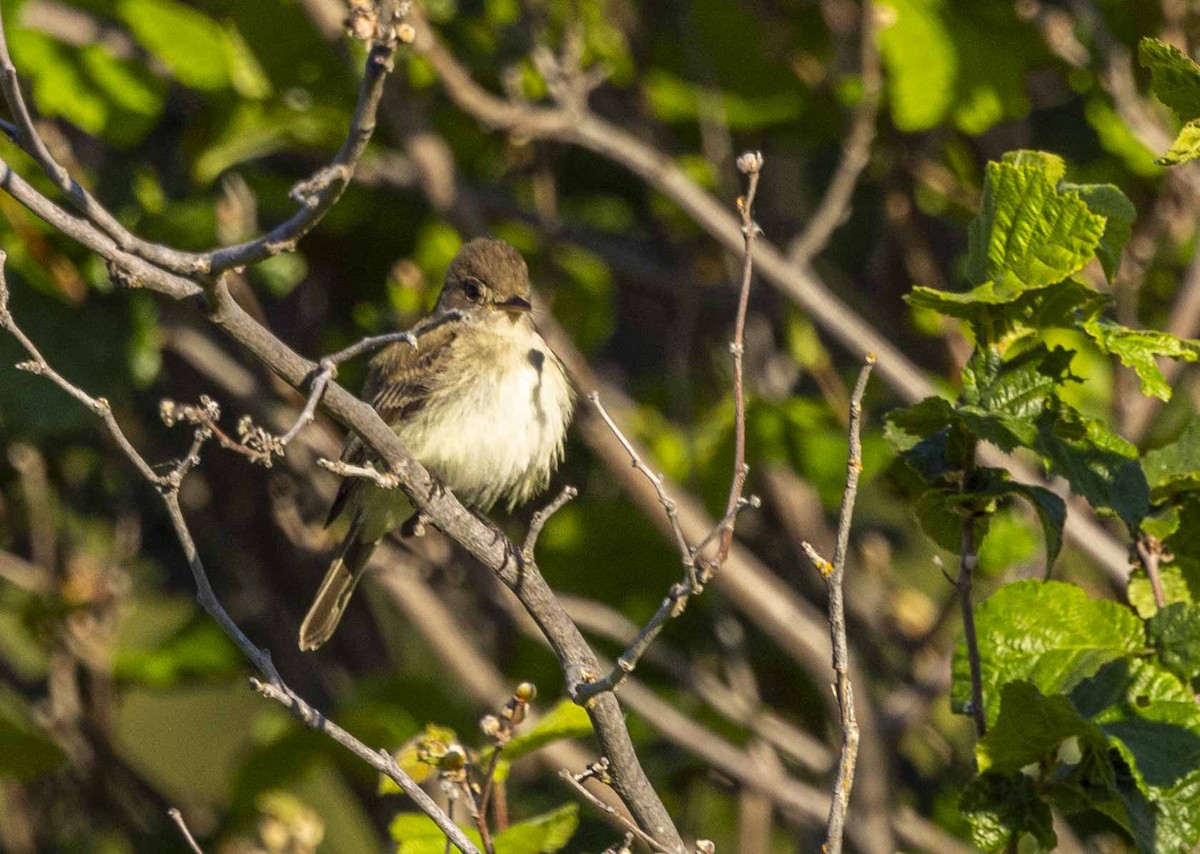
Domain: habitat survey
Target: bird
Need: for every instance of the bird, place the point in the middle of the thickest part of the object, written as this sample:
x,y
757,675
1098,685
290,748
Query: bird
x,y
482,403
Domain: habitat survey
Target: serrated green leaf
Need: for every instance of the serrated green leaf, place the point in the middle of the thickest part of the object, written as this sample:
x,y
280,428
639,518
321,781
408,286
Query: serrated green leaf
x,y
1001,808
1099,465
1046,632
1028,233
1175,468
543,834
1119,213
1139,348
1051,511
565,720
1185,147
416,833
1174,77
1149,715
1029,729
1175,632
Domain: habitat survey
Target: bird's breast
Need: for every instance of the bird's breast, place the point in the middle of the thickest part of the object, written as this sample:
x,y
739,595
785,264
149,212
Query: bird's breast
x,y
494,429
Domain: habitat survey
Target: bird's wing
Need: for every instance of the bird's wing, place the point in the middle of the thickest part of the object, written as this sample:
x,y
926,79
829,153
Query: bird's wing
x,y
398,384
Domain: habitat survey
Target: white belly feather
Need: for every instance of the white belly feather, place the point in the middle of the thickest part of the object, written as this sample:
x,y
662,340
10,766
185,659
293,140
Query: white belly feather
x,y
496,434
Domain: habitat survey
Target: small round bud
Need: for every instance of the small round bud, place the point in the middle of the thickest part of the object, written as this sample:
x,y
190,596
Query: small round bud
x,y
490,724
750,162
526,692
453,759
705,846
406,33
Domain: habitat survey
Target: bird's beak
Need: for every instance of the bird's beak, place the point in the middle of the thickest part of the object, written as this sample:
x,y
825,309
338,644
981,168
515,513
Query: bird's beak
x,y
516,305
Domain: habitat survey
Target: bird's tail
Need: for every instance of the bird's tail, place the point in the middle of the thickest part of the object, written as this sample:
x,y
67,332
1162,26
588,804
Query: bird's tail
x,y
334,594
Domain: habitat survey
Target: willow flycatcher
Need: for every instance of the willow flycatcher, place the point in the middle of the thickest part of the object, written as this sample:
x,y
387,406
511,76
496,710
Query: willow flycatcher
x,y
482,403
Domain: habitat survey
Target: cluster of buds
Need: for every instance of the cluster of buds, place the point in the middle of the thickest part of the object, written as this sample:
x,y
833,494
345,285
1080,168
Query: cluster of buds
x,y
206,412
362,22
266,445
449,757
500,728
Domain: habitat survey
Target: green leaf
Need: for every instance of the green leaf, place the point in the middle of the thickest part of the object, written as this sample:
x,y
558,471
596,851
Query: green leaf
x,y
921,60
417,834
1029,729
1051,511
1138,349
542,834
1175,588
1119,213
1175,632
200,649
1175,468
1001,808
1098,464
1174,77
189,43
1185,147
1149,715
997,312
1028,233
565,720
1046,632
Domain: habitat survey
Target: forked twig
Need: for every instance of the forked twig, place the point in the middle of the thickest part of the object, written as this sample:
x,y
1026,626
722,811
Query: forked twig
x,y
698,568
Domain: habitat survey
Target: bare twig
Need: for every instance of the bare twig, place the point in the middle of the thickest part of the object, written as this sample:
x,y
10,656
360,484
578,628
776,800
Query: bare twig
x,y
856,151
750,164
384,480
834,575
270,446
541,517
698,570
599,771
177,817
668,505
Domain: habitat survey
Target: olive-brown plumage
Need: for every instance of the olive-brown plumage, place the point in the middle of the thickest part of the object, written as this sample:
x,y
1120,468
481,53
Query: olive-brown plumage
x,y
482,403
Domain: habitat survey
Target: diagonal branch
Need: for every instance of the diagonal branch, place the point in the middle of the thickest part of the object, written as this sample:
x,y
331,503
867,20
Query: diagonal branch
x,y
168,487
316,195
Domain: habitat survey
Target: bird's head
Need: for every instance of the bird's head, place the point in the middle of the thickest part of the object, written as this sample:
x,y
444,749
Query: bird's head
x,y
487,281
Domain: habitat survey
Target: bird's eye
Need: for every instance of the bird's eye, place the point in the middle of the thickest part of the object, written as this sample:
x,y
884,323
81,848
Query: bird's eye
x,y
473,290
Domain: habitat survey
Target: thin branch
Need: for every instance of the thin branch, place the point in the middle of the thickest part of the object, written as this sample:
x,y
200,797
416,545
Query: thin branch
x,y
316,195
968,561
698,570
749,164
384,480
541,517
834,575
656,480
177,817
856,151
599,770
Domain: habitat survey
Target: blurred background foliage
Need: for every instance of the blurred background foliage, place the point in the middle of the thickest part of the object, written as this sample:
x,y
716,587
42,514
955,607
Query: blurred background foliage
x,y
118,698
